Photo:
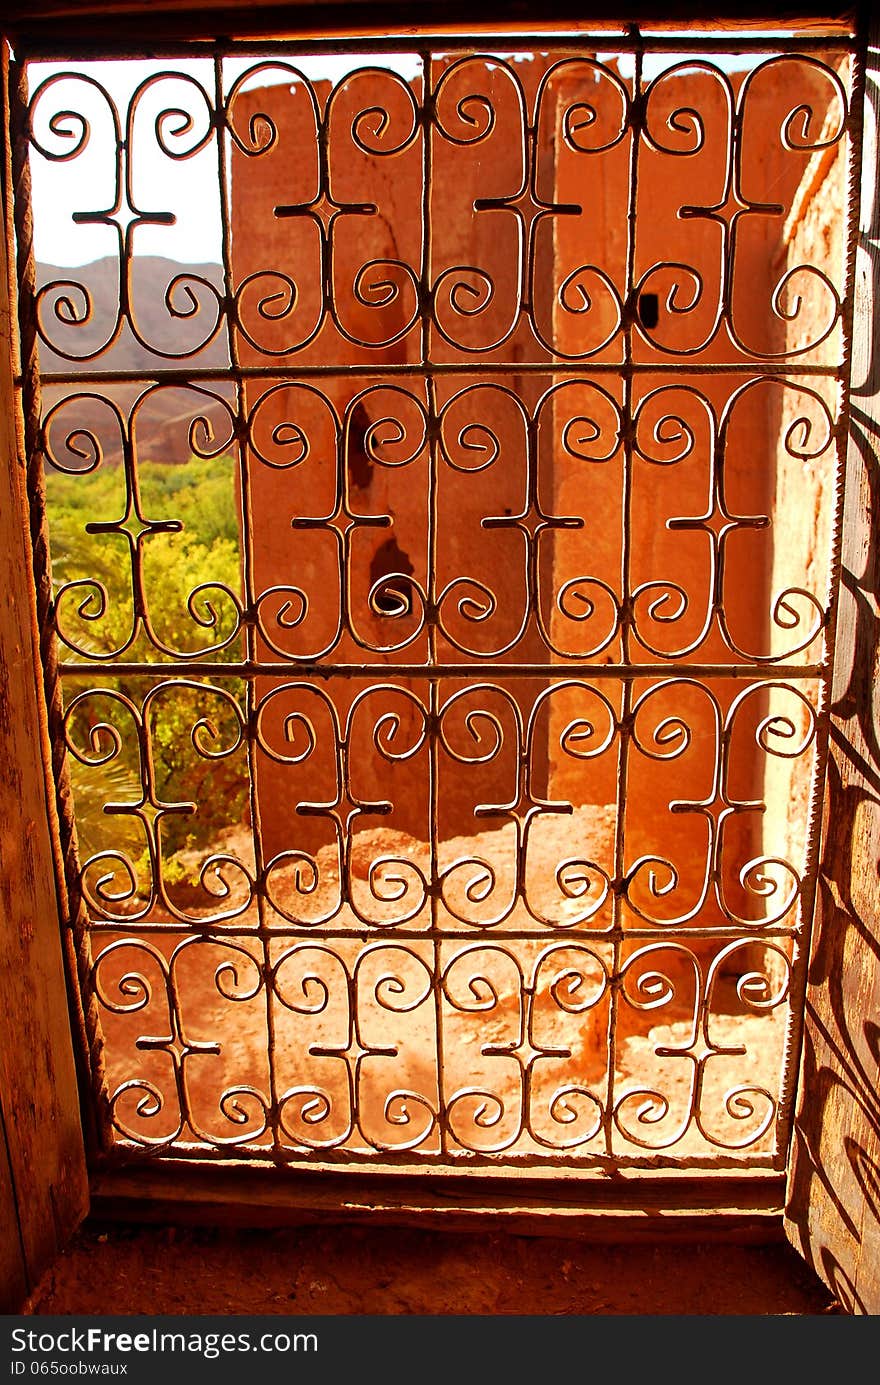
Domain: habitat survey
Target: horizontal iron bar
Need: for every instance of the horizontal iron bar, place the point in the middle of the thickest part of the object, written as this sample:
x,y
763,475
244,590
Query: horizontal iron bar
x,y
482,369
127,1154
325,933
384,673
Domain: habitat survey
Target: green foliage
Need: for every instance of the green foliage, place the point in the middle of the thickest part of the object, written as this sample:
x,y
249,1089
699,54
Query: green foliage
x,y
200,496
93,787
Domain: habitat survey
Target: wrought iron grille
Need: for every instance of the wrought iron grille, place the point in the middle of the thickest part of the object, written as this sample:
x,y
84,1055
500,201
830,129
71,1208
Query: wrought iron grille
x,y
441,604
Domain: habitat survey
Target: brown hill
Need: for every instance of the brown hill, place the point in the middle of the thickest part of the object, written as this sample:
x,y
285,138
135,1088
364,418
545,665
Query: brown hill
x,y
175,321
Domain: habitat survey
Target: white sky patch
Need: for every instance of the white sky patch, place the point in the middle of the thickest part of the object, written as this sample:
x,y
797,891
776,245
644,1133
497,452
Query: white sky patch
x,y
158,183
653,64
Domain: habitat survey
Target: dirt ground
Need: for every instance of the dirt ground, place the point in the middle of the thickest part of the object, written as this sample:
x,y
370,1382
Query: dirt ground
x,y
358,1270
669,996
333,1270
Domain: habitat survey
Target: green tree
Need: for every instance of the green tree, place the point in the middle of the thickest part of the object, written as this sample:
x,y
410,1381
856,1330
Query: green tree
x,y
192,591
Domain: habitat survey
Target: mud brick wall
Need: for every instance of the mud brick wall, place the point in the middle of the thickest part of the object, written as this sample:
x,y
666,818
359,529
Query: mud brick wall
x,y
706,234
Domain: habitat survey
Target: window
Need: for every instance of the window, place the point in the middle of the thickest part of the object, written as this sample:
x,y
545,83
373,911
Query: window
x,y
444,794
499,735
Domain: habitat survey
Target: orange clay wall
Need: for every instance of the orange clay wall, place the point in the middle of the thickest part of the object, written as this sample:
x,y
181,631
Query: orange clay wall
x,y
685,214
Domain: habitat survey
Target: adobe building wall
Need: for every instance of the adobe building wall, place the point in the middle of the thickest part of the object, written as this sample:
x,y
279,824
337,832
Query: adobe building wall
x,y
308,454
308,438
685,197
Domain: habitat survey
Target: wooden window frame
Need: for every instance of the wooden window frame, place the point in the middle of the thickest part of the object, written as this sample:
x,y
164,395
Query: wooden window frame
x,y
48,1175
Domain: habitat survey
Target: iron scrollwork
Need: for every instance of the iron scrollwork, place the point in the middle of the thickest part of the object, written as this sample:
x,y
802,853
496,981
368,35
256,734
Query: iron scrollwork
x,y
444,686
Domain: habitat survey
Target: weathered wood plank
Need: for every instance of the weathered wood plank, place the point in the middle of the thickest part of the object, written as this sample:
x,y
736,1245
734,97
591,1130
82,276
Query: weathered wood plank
x,y
628,1209
721,16
60,21
833,1212
13,1275
38,1085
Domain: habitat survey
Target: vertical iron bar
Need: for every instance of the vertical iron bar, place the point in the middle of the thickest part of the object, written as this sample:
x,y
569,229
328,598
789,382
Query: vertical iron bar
x,y
434,684
224,168
626,600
